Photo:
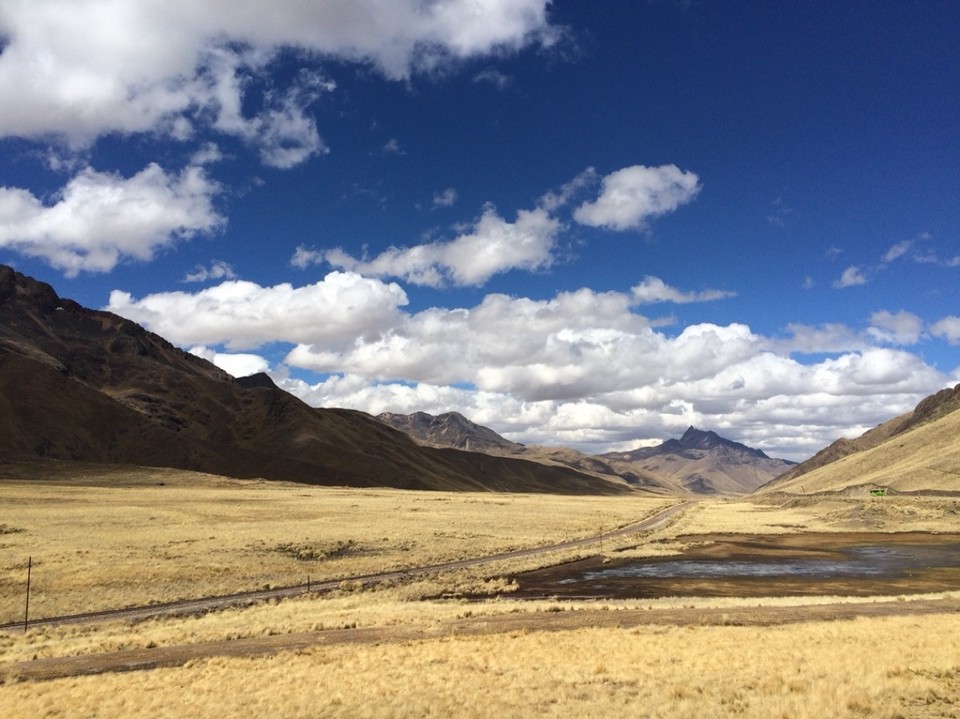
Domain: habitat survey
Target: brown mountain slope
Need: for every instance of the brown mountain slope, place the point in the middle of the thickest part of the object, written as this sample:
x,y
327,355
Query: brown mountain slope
x,y
703,462
928,410
924,458
450,429
78,384
636,477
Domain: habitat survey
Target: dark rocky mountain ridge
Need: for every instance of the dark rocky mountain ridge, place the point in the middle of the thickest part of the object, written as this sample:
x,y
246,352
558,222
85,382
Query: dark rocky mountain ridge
x,y
85,385
692,439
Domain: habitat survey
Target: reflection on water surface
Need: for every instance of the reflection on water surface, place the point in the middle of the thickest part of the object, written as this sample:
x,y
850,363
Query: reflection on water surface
x,y
861,564
868,561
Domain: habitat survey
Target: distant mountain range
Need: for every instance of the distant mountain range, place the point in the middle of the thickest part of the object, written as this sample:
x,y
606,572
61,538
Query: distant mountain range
x,y
918,452
88,386
84,386
700,462
452,429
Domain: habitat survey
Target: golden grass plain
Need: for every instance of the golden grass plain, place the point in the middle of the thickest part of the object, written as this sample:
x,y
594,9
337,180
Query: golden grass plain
x,y
118,539
891,668
131,540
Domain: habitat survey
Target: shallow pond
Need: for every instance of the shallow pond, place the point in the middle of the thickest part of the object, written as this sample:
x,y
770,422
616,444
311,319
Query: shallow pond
x,y
857,564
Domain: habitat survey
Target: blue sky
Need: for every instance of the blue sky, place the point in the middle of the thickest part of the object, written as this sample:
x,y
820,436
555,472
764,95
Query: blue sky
x,y
577,223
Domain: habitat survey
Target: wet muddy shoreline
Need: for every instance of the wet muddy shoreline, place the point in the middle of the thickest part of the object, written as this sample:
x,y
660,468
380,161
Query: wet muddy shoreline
x,y
739,565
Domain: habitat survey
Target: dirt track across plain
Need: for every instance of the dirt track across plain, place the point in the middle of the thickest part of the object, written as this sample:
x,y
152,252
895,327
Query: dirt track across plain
x,y
556,618
173,656
206,604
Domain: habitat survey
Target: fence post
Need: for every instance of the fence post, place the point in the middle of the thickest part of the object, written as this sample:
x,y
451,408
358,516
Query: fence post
x,y
26,611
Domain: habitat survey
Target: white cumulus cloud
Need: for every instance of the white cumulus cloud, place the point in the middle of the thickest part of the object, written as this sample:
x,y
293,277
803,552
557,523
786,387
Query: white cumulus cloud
x,y
948,328
99,219
79,69
830,338
583,368
851,277
653,289
898,250
492,246
235,363
218,270
446,198
630,197
899,328
339,310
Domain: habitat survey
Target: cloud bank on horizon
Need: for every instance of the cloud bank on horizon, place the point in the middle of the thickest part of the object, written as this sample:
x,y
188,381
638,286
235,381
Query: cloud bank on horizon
x,y
515,209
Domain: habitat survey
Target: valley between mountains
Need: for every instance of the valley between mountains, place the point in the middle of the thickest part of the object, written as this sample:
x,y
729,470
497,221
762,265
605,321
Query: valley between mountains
x,y
424,565
81,385
699,462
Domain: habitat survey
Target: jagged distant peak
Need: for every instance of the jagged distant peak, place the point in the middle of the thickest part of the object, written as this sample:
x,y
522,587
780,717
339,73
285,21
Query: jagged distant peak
x,y
700,436
704,462
695,438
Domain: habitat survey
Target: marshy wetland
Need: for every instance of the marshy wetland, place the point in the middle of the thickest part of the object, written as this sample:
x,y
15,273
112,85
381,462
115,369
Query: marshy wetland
x,y
815,563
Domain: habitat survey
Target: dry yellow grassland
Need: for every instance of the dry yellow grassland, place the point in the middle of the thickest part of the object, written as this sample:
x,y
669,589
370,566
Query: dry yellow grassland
x,y
389,609
786,515
97,547
135,542
132,540
887,668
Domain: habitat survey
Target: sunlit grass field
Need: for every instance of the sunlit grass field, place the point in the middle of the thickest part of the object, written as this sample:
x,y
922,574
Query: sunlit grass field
x,y
111,540
888,668
130,540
